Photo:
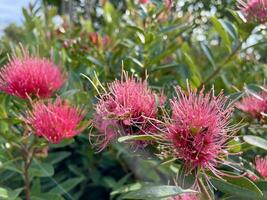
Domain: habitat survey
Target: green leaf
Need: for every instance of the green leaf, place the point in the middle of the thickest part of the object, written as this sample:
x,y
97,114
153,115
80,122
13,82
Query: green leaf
x,y
45,196
239,187
137,137
56,157
41,169
152,192
136,28
141,37
13,194
254,88
263,186
165,66
256,141
163,54
126,188
136,61
192,65
109,12
66,186
230,29
222,32
63,143
94,61
10,194
208,53
3,193
174,27
195,74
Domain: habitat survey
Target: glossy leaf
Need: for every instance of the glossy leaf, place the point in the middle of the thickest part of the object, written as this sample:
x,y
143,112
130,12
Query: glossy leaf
x,y
256,141
238,186
152,192
222,32
137,137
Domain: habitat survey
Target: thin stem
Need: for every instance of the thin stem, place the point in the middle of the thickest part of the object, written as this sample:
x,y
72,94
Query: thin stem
x,y
226,60
27,182
28,157
219,68
204,190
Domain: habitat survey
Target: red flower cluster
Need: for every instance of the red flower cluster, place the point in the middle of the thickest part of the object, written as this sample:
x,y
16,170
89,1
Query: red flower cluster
x,y
261,166
127,108
143,1
254,10
254,105
198,130
97,40
55,120
30,76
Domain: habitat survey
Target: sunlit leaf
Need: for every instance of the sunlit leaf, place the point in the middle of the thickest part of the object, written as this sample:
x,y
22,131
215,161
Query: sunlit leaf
x,y
152,192
256,141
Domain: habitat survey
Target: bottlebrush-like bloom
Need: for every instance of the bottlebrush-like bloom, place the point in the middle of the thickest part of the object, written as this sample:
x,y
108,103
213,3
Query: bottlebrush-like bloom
x,y
94,38
254,10
199,129
99,41
261,166
143,1
185,197
126,109
254,105
30,76
55,120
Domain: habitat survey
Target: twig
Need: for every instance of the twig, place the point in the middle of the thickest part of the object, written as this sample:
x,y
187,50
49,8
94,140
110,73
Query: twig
x,y
204,190
219,68
226,60
28,154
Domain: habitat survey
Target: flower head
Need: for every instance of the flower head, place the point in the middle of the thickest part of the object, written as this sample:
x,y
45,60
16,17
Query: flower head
x,y
143,1
126,109
185,197
99,41
30,76
254,105
95,38
198,130
261,166
55,120
254,10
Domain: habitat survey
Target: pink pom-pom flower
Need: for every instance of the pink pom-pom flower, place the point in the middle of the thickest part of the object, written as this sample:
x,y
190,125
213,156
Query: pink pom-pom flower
x,y
55,120
255,105
199,130
254,10
129,107
143,1
261,166
30,76
185,197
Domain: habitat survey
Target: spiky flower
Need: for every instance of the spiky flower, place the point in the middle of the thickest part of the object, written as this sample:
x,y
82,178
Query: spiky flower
x,y
254,10
30,76
255,105
261,166
185,197
55,120
199,130
127,108
143,1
